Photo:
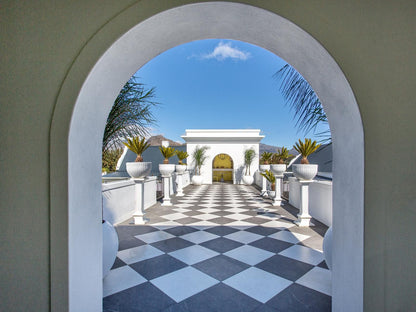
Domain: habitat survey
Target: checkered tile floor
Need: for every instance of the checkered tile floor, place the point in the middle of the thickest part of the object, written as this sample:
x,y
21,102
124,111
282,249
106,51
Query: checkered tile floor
x,y
221,247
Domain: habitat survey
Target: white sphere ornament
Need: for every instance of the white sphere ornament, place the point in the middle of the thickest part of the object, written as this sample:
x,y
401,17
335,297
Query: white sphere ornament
x,y
110,246
248,180
327,247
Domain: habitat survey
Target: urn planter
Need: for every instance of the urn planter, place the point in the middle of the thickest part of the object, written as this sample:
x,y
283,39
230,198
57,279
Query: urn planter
x,y
110,246
278,169
305,172
248,180
271,194
197,180
263,168
180,168
166,169
138,169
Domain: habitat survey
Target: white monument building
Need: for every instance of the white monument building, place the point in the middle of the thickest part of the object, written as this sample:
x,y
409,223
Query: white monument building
x,y
225,162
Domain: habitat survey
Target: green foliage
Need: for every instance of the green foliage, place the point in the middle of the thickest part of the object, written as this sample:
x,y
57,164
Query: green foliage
x,y
167,152
269,176
266,158
283,155
137,145
301,98
306,148
249,155
130,115
110,158
181,156
274,159
199,156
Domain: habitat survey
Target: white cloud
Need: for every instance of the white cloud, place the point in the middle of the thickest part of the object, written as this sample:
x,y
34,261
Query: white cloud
x,y
224,50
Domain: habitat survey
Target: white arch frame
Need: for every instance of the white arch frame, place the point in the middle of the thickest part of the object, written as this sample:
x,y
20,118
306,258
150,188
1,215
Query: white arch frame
x,y
212,165
76,257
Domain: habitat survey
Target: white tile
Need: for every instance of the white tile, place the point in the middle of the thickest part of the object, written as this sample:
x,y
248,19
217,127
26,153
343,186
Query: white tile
x,y
202,225
238,216
286,235
209,210
199,237
183,283
155,236
193,254
249,254
174,216
240,224
205,216
318,279
258,284
304,254
181,209
183,205
244,237
120,279
209,205
165,225
235,207
140,253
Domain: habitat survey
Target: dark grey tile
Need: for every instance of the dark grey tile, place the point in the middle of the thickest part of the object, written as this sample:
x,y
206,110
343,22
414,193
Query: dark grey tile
x,y
270,244
221,230
262,230
297,298
141,298
221,267
222,213
157,266
172,244
323,265
314,242
124,231
129,242
221,244
181,230
222,220
187,220
118,263
191,213
218,298
264,308
255,220
285,267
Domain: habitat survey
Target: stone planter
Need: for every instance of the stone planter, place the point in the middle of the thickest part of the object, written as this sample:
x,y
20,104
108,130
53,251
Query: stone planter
x,y
138,169
263,168
110,246
180,168
278,169
271,194
248,180
327,246
305,172
166,169
197,180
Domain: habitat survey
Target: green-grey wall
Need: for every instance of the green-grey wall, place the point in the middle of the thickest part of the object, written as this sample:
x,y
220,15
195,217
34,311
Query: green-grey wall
x,y
374,43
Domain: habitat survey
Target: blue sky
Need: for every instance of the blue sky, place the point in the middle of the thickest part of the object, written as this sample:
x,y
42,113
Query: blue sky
x,y
219,84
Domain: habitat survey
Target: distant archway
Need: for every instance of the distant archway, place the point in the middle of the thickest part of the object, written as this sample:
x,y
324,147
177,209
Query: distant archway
x,y
76,134
223,168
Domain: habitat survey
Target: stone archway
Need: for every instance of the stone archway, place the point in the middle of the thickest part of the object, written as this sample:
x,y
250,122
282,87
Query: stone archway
x,y
222,168
75,204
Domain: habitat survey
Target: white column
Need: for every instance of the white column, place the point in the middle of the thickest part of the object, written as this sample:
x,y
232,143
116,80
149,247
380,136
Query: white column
x,y
138,216
179,183
166,189
264,186
277,200
304,218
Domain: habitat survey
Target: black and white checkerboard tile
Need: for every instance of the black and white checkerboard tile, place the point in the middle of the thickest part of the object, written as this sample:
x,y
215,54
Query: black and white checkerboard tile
x,y
219,248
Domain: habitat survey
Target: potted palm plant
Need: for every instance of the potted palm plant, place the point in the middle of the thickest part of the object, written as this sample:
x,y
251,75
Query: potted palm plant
x,y
181,167
249,156
138,168
304,170
279,165
265,159
199,155
272,180
166,168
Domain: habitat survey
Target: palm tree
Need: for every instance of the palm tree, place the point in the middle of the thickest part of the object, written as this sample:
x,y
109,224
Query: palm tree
x,y
271,178
130,115
137,145
167,152
301,98
266,157
305,149
283,155
199,156
181,156
249,155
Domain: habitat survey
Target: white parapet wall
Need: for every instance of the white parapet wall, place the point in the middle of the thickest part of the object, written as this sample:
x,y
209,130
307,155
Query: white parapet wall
x,y
120,197
320,199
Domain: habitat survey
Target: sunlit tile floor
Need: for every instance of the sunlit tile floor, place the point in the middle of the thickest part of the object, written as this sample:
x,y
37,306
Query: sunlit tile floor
x,y
221,247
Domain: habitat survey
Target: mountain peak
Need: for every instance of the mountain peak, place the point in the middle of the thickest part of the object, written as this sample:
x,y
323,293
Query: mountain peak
x,y
156,140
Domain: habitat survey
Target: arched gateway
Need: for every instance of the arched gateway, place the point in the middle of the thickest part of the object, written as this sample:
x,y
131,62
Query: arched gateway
x,y
223,168
230,142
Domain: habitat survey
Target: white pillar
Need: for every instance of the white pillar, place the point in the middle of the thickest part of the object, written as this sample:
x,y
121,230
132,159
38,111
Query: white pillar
x,y
304,218
277,200
179,183
138,216
166,189
264,186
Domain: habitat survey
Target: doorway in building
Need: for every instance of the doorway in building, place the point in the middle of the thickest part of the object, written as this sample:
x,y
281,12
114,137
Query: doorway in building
x,y
223,169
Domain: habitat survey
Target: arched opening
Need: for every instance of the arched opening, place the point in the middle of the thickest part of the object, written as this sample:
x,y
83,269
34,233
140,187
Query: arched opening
x,y
222,169
77,129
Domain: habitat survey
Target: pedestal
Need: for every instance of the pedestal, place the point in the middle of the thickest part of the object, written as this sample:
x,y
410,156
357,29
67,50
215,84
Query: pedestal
x,y
263,187
304,218
179,183
138,216
277,200
166,190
